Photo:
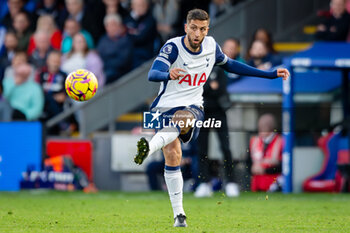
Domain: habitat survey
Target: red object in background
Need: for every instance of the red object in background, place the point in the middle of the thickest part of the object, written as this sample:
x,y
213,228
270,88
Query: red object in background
x,y
55,42
343,157
56,162
321,185
79,150
324,13
333,157
263,182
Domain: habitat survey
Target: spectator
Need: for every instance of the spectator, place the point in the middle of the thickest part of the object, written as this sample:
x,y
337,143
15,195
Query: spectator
x,y
71,28
11,43
260,58
89,19
142,28
216,102
81,57
14,8
46,23
231,48
217,8
24,95
337,26
115,49
52,79
21,26
18,59
53,8
166,14
266,154
43,48
265,36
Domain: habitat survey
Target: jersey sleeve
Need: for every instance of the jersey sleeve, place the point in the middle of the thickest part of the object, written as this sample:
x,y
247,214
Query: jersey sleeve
x,y
168,54
160,68
233,66
220,57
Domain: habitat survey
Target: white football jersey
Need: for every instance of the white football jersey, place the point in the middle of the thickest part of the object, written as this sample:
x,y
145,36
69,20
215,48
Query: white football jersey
x,y
187,90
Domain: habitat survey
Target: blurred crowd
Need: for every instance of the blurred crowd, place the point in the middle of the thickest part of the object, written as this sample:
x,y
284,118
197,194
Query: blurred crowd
x,y
41,41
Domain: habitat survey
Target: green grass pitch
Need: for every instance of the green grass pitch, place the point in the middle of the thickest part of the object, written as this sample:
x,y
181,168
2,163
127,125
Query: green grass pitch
x,y
48,211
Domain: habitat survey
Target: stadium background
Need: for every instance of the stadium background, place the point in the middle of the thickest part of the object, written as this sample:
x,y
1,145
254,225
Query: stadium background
x,y
109,124
102,142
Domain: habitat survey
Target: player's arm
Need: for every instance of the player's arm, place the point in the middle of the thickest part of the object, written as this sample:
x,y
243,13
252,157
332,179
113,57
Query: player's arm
x,y
239,68
159,71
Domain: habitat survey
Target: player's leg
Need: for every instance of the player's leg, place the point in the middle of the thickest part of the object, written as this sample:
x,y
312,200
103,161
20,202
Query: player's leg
x,y
167,138
172,172
173,154
164,136
174,181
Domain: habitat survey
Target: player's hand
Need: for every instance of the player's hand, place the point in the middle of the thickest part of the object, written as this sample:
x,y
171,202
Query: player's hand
x,y
283,73
175,73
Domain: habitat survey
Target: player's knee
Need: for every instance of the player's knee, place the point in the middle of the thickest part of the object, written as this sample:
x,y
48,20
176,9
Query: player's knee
x,y
173,161
172,155
171,151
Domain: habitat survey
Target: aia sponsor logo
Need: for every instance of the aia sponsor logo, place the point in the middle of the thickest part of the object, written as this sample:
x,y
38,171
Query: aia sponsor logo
x,y
195,80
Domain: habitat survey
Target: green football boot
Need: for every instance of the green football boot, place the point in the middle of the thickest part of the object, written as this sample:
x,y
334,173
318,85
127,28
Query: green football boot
x,y
142,151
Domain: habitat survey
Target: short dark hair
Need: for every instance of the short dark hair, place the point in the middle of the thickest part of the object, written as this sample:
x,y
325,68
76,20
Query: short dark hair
x,y
197,14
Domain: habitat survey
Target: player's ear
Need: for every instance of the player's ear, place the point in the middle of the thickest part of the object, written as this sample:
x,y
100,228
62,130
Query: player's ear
x,y
185,27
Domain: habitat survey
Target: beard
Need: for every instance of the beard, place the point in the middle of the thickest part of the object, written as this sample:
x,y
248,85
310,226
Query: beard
x,y
193,45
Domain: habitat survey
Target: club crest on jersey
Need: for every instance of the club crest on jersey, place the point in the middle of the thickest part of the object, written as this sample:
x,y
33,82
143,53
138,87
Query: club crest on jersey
x,y
167,49
196,80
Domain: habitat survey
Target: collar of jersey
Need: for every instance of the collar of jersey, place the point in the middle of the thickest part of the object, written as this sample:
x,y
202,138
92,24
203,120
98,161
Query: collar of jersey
x,y
189,51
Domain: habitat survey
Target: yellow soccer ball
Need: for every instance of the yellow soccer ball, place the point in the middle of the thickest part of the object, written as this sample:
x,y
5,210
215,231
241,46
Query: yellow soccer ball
x,y
81,85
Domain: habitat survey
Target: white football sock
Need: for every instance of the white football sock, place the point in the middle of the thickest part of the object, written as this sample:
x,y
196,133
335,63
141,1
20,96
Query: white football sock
x,y
163,138
174,183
